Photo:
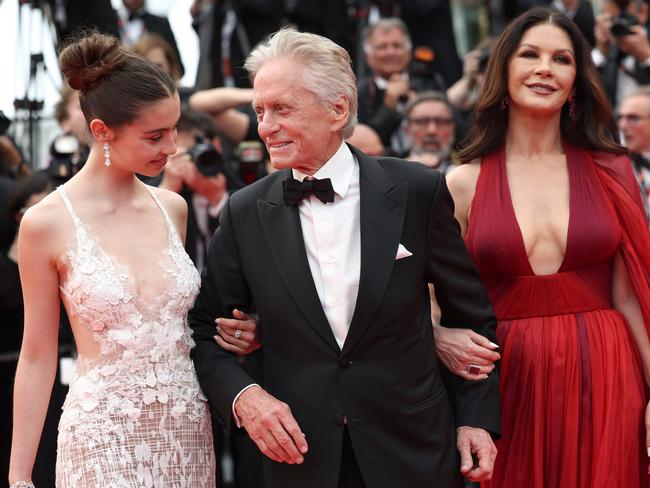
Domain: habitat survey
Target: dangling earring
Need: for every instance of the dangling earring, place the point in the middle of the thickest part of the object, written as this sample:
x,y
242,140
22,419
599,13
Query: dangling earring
x,y
572,107
504,103
107,154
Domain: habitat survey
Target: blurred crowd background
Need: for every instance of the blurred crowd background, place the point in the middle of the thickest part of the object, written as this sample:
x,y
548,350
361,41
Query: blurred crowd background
x,y
420,65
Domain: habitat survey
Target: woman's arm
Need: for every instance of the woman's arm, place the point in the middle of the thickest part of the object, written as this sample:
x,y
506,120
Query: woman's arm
x,y
38,356
625,301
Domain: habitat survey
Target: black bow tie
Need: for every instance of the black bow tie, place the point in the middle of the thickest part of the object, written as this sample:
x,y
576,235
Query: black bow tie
x,y
295,190
135,15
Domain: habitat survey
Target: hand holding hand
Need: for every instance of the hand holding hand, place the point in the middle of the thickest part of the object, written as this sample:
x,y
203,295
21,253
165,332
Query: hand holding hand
x,y
472,440
460,348
271,426
246,340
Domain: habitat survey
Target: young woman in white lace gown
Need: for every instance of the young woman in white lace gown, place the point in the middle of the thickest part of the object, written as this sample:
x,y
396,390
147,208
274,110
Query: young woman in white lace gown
x,y
111,248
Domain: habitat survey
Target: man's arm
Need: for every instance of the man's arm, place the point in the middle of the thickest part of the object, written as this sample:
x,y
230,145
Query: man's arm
x,y
463,303
223,289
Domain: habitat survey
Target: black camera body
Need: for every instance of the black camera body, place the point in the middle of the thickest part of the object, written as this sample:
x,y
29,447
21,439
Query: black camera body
x,y
621,24
68,157
207,159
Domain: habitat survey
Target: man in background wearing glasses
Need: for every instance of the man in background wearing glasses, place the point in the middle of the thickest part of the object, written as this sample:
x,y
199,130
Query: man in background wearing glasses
x,y
430,128
634,123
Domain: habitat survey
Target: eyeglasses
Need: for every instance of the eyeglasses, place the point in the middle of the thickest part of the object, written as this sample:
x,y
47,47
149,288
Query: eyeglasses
x,y
631,118
423,122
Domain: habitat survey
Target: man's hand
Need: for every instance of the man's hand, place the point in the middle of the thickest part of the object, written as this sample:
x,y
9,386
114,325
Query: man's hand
x,y
177,169
270,424
245,341
472,440
603,33
635,44
396,88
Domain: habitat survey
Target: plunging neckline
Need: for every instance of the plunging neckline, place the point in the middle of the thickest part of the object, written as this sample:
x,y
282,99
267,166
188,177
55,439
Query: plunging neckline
x,y
125,277
520,234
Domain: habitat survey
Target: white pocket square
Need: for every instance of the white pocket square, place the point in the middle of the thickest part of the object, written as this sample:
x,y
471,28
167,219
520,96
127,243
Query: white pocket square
x,y
402,252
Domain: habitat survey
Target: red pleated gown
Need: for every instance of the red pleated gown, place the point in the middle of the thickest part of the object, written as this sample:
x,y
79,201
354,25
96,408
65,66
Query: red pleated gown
x,y
573,395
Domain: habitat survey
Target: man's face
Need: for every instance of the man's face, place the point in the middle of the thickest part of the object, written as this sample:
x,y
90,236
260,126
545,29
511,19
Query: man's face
x,y
430,128
634,123
298,129
388,52
133,5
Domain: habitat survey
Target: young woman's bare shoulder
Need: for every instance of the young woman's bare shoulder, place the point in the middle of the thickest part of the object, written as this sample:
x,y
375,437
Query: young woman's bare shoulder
x,y
47,225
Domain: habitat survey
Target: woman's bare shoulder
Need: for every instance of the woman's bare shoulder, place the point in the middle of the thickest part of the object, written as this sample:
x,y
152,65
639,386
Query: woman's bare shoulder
x,y
46,224
462,181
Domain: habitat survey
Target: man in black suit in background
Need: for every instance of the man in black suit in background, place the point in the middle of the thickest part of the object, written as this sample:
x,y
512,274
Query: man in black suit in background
x,y
134,21
336,250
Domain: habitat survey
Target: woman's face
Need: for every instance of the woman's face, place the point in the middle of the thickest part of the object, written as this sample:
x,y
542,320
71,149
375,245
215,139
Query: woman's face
x,y
157,56
542,71
144,145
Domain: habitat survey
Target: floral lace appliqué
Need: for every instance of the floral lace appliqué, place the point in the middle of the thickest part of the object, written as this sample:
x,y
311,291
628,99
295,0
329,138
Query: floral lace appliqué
x,y
135,415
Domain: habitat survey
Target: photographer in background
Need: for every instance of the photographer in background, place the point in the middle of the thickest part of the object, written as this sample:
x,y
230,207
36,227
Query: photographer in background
x,y
196,172
70,149
622,53
393,81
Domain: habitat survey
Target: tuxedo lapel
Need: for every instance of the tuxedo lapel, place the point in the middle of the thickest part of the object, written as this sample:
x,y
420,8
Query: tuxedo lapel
x,y
383,204
283,232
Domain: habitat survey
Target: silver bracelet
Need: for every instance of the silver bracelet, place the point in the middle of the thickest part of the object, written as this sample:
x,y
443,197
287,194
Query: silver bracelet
x,y
22,484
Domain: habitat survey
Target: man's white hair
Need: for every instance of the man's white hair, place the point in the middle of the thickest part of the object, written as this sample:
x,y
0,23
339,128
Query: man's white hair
x,y
326,67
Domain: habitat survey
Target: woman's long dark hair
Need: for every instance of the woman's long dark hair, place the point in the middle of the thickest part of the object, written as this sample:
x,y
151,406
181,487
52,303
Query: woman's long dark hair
x,y
593,127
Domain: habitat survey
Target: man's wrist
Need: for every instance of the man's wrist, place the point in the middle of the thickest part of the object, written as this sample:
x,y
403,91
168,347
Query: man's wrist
x,y
234,403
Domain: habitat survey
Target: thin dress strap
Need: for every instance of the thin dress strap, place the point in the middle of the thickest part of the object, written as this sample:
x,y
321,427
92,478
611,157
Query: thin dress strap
x,y
171,228
68,204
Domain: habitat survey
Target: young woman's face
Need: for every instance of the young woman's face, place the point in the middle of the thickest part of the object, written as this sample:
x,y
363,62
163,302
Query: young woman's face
x,y
144,145
542,71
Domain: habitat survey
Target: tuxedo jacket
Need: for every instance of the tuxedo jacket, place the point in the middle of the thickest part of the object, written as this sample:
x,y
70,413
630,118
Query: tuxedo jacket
x,y
385,383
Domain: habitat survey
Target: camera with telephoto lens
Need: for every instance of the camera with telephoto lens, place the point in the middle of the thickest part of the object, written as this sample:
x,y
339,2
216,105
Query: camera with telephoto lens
x,y
205,156
621,24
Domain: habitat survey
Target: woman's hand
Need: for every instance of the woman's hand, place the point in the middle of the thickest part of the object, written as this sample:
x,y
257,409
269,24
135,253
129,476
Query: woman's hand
x,y
465,353
240,334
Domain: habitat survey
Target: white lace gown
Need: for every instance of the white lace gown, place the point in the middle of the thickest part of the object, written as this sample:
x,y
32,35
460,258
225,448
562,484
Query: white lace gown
x,y
135,415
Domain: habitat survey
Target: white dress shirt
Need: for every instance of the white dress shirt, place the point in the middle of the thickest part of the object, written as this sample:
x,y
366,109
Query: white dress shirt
x,y
333,240
332,236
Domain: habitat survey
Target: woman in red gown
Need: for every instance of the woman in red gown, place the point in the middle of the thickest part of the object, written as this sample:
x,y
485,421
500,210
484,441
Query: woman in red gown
x,y
552,217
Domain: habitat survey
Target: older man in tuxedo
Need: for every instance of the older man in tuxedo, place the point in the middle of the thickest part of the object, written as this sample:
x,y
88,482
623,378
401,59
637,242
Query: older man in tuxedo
x,y
335,251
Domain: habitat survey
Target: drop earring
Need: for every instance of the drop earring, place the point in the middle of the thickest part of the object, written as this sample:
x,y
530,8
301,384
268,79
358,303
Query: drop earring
x,y
107,154
572,107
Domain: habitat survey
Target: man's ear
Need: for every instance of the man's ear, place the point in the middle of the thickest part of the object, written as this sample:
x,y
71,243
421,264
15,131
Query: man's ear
x,y
341,111
100,131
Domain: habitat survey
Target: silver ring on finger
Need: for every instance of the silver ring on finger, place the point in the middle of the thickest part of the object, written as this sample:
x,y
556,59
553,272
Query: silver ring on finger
x,y
473,369
237,333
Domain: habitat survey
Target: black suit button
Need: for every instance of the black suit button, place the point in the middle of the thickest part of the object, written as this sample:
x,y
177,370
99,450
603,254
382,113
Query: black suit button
x,y
344,363
339,419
